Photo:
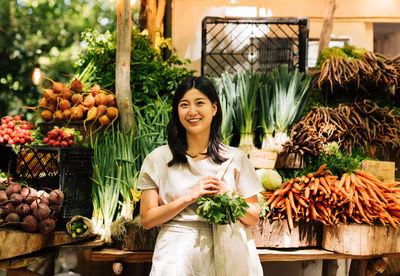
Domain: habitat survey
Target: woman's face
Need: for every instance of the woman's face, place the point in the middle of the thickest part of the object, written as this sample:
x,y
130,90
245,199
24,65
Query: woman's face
x,y
196,112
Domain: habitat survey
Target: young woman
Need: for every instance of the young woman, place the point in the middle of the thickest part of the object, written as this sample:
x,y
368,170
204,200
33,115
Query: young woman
x,y
195,163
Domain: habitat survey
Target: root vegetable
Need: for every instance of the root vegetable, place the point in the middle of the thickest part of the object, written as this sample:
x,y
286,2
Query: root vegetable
x,y
46,226
84,108
12,217
89,101
91,115
112,113
13,189
52,106
76,99
111,100
3,196
23,209
64,104
46,115
43,103
58,115
29,224
101,110
29,194
2,213
76,113
76,85
56,208
57,87
101,99
48,94
9,208
56,197
66,93
95,90
67,114
104,120
16,198
41,212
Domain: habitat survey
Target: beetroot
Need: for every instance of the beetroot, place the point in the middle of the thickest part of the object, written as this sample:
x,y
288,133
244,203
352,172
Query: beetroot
x,y
30,224
76,85
41,212
9,208
3,196
57,87
13,188
2,212
95,89
56,208
12,217
29,195
66,93
16,198
46,226
56,197
22,209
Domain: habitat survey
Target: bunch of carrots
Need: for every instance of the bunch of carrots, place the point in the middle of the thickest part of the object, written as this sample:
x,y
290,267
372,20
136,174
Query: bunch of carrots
x,y
356,197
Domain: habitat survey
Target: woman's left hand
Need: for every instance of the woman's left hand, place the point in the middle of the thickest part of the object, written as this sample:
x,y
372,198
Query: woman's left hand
x,y
223,188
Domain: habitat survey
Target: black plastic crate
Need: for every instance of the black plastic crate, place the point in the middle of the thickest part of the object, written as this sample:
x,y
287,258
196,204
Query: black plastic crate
x,y
67,169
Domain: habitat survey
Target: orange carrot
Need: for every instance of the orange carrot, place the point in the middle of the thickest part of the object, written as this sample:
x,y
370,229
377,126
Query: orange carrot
x,y
317,173
347,184
289,213
300,200
316,186
291,200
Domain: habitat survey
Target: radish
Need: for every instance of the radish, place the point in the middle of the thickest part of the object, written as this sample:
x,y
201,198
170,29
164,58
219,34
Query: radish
x,y
56,197
42,211
76,85
46,226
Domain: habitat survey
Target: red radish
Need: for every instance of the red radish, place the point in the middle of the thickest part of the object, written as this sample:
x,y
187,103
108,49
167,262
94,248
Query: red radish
x,y
76,85
112,113
89,101
101,110
13,188
76,113
56,144
111,100
41,211
17,118
58,115
66,93
64,144
22,209
95,89
47,226
56,197
76,99
46,115
57,87
64,104
45,140
12,217
101,99
53,133
104,120
29,224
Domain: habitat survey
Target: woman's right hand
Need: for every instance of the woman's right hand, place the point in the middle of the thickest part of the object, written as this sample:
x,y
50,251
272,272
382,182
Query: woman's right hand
x,y
206,186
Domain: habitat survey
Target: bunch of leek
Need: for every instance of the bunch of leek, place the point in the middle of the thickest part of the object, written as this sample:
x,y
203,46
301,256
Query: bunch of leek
x,y
283,97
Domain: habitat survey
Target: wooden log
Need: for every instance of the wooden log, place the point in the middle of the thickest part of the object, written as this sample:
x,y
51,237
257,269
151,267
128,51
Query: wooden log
x,y
361,239
15,242
327,26
277,234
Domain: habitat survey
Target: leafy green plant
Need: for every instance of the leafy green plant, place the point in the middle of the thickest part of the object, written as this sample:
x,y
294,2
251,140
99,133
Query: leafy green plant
x,y
151,74
221,209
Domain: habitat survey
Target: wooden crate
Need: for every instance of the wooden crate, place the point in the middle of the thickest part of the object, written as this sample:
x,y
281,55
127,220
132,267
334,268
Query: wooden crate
x,y
361,239
277,234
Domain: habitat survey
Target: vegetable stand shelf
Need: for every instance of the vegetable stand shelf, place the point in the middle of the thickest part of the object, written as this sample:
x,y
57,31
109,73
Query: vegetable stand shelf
x,y
266,255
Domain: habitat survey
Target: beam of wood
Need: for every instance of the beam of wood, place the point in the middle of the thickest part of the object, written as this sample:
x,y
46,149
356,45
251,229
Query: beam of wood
x,y
160,16
123,65
327,26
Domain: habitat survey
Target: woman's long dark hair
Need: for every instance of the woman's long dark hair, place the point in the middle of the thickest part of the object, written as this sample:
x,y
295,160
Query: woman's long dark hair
x,y
177,133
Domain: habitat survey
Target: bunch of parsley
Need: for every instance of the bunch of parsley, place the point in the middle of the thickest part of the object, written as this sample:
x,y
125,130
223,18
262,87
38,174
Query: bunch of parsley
x,y
221,209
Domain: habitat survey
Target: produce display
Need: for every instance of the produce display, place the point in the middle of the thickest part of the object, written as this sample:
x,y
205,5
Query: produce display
x,y
62,137
222,209
29,209
78,102
355,68
15,131
355,197
361,124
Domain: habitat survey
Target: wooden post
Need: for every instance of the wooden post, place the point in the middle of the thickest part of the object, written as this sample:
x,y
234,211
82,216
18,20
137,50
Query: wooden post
x,y
123,63
151,11
151,17
327,26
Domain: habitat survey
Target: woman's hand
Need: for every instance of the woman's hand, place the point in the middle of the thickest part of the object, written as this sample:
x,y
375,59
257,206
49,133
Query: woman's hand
x,y
206,186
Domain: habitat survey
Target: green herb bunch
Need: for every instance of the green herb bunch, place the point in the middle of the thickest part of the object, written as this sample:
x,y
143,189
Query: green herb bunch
x,y
221,209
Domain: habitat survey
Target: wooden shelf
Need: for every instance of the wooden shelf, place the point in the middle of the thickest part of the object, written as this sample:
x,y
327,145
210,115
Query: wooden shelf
x,y
266,255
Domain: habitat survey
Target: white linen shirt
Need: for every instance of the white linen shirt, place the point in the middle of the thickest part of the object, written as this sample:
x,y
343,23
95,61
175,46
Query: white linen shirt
x,y
237,172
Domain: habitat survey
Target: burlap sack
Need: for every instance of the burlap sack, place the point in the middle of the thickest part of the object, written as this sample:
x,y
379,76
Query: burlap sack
x,y
89,231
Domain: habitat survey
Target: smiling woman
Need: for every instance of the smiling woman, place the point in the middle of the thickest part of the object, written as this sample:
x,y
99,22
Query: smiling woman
x,y
195,163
